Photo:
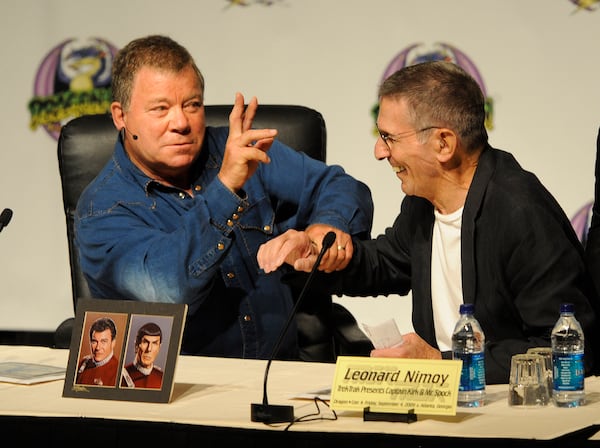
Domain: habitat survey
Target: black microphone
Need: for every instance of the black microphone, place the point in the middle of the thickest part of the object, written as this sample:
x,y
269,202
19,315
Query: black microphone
x,y
272,413
5,217
134,136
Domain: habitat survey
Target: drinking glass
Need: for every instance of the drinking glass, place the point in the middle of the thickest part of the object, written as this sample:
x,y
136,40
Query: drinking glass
x,y
546,353
528,384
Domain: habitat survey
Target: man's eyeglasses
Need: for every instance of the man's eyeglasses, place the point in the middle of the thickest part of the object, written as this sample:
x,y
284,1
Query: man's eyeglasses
x,y
390,139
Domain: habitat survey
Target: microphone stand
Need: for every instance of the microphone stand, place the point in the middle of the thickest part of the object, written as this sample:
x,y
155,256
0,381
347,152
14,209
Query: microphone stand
x,y
271,413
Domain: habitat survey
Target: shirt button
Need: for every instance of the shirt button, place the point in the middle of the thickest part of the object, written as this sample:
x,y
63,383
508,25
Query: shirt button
x,y
181,195
198,187
247,318
229,222
230,275
240,209
267,228
235,216
220,246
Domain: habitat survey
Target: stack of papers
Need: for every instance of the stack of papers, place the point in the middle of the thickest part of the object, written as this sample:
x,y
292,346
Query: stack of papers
x,y
29,373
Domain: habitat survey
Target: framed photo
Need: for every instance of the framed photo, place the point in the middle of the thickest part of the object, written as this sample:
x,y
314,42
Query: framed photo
x,y
124,350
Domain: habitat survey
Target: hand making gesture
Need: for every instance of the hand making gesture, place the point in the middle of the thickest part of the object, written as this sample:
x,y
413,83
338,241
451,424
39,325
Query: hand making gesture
x,y
245,147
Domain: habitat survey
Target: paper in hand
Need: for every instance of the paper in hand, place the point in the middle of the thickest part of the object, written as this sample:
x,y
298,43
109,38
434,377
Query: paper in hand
x,y
384,335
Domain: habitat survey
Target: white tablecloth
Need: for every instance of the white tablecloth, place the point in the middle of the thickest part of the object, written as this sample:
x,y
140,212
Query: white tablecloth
x,y
219,391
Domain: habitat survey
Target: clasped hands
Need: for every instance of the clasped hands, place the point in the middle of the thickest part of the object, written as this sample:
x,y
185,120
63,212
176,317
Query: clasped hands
x,y
301,248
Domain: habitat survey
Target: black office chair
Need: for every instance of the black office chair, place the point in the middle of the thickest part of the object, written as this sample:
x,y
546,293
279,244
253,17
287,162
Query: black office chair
x,y
326,329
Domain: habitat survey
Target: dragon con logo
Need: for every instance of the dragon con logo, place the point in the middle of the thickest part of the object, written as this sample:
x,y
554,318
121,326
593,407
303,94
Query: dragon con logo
x,y
72,80
417,53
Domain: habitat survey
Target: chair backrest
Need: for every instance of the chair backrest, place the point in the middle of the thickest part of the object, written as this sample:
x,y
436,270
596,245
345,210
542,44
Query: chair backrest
x,y
87,142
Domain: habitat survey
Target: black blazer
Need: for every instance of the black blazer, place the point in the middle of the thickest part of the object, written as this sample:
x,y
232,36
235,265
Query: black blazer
x,y
592,248
520,260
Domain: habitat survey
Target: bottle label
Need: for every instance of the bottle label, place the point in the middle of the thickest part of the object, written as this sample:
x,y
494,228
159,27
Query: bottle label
x,y
472,375
568,371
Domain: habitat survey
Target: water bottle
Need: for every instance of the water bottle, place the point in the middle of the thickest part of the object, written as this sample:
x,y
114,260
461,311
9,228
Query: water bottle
x,y
467,345
567,360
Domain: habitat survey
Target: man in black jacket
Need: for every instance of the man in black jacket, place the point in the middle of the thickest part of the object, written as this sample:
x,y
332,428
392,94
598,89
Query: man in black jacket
x,y
474,227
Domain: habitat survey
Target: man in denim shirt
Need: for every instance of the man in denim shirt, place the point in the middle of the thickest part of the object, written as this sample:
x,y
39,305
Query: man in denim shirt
x,y
178,213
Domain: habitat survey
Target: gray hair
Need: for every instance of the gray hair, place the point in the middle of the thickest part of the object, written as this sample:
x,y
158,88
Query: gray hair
x,y
440,93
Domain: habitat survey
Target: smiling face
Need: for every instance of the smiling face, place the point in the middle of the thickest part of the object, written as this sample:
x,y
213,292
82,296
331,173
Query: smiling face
x,y
166,114
409,151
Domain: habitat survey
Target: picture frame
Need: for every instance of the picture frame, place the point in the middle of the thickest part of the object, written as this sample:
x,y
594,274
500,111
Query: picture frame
x,y
124,350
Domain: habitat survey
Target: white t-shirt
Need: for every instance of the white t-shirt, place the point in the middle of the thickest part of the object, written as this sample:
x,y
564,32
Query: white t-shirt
x,y
446,276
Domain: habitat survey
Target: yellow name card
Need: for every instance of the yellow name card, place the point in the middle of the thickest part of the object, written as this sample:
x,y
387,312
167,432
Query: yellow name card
x,y
397,385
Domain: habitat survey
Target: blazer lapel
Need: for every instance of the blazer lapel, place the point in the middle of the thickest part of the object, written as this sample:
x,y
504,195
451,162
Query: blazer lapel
x,y
485,168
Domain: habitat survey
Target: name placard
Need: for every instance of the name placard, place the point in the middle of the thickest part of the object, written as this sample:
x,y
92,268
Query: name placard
x,y
396,385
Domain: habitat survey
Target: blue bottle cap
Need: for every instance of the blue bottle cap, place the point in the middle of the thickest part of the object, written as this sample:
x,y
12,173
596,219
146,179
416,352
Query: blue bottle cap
x,y
567,307
467,308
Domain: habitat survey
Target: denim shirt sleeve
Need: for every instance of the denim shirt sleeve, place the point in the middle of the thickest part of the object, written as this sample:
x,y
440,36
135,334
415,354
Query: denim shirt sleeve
x,y
316,192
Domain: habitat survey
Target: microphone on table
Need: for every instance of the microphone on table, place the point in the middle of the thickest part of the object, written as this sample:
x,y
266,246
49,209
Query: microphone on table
x,y
272,413
5,218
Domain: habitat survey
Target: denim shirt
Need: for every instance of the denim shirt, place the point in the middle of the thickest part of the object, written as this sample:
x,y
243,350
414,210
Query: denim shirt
x,y
141,240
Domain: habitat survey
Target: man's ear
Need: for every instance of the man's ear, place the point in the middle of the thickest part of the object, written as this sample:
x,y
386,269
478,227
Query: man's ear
x,y
447,141
116,111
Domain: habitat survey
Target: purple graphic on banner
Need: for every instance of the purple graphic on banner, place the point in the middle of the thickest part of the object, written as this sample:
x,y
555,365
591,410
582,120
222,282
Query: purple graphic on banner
x,y
417,53
72,80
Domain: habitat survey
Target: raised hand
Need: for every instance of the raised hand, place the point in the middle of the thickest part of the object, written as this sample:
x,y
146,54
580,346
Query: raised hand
x,y
245,147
